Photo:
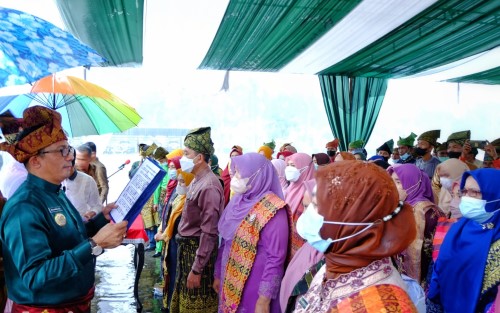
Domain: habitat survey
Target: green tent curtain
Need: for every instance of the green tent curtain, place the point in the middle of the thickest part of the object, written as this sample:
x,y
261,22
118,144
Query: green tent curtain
x,y
114,28
489,77
266,35
352,105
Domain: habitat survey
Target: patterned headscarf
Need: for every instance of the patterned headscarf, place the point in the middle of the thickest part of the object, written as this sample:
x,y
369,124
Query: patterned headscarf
x,y
361,192
459,137
160,153
41,128
199,140
10,126
150,150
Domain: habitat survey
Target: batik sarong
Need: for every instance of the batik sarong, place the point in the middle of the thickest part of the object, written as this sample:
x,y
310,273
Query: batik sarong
x,y
197,300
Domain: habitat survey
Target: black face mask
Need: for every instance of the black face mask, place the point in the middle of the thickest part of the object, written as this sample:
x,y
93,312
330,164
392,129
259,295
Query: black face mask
x,y
386,159
331,152
420,151
454,155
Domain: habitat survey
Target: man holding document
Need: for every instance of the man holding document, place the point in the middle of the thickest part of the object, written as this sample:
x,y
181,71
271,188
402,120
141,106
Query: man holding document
x,y
49,258
198,237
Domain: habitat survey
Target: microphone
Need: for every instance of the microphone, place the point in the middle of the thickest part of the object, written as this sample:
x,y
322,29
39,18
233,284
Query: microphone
x,y
123,165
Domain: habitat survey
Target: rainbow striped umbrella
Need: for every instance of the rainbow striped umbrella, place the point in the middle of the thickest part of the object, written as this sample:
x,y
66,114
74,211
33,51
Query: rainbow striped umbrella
x,y
86,108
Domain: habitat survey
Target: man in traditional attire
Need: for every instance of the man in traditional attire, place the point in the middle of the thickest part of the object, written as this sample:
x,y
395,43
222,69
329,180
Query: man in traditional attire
x,y
331,149
427,142
405,148
198,236
356,144
48,252
101,173
386,149
459,147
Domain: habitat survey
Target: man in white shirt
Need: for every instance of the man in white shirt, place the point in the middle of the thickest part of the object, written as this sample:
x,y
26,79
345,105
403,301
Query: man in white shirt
x,y
81,190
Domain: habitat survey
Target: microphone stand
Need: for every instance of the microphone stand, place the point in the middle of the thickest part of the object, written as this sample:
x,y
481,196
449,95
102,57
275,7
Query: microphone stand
x,y
121,167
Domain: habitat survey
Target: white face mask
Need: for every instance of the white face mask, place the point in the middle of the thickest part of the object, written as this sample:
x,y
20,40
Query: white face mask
x,y
187,164
172,173
310,222
474,209
239,185
181,190
402,194
292,173
446,183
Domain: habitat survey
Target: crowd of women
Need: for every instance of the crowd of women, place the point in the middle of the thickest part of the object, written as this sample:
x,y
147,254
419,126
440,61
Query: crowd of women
x,y
330,233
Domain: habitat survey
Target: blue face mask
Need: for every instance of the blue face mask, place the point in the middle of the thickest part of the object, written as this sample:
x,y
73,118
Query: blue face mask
x,y
172,173
316,166
474,209
405,156
310,222
442,159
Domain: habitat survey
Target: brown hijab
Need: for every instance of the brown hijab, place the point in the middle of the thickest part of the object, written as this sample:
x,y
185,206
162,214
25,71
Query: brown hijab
x,y
360,192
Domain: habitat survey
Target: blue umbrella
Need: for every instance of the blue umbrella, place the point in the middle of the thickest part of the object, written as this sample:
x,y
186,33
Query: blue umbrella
x,y
32,48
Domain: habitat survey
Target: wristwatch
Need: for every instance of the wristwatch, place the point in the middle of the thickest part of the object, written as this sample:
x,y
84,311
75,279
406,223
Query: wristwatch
x,y
96,250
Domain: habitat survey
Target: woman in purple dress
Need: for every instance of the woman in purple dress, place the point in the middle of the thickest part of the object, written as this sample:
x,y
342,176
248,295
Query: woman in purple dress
x,y
255,233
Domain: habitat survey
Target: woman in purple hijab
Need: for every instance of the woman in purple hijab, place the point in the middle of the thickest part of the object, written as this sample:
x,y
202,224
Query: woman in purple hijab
x,y
255,230
414,187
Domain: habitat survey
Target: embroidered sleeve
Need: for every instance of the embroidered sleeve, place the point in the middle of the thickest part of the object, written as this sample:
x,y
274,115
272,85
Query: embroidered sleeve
x,y
270,289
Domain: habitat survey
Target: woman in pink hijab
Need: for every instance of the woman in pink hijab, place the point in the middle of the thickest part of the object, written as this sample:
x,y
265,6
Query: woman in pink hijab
x,y
304,265
300,168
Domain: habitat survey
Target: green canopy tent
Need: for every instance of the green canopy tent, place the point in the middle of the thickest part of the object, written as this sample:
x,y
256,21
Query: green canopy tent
x,y
345,41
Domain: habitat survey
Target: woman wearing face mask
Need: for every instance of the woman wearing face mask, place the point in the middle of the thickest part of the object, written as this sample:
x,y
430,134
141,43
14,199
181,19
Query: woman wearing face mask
x,y
299,169
465,277
303,266
169,232
255,230
320,159
173,165
226,177
359,224
414,187
445,175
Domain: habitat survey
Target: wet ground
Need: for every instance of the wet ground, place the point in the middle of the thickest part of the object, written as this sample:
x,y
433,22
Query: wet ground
x,y
115,274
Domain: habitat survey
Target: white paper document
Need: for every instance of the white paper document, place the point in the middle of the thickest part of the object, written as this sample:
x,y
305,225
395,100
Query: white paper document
x,y
135,190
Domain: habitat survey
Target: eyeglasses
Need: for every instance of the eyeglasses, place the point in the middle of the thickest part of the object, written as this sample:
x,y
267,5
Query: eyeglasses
x,y
64,151
473,193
